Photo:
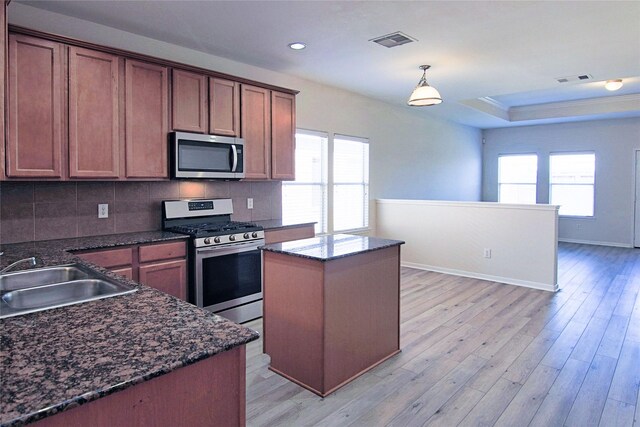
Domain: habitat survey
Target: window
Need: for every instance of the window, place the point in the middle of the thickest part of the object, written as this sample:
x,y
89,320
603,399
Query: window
x,y
332,183
517,176
572,180
305,199
350,183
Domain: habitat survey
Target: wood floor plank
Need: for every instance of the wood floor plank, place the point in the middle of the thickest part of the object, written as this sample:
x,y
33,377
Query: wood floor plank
x,y
564,345
611,343
592,396
418,411
525,403
526,363
498,364
492,405
556,405
626,380
456,408
617,414
590,340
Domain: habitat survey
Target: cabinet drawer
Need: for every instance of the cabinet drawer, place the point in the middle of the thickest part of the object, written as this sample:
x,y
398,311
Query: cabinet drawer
x,y
109,258
162,251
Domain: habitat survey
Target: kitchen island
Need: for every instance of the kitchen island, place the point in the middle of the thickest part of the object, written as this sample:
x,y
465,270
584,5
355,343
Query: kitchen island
x,y
331,308
144,358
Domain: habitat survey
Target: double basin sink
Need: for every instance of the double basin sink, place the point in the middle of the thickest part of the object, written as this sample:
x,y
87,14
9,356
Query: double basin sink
x,y
28,291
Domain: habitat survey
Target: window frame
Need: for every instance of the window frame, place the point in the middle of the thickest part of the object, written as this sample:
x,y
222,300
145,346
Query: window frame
x,y
535,183
324,184
330,184
366,185
593,185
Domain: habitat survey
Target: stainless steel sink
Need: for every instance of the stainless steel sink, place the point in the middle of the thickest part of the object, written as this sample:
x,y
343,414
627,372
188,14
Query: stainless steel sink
x,y
42,276
40,289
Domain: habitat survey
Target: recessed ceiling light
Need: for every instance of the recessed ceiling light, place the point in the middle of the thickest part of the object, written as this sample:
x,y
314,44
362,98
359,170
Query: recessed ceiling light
x,y
297,45
613,84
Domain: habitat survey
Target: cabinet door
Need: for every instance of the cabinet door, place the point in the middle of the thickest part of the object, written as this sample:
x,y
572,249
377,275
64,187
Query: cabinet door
x,y
147,120
3,80
224,107
256,131
283,131
94,124
169,277
36,108
189,108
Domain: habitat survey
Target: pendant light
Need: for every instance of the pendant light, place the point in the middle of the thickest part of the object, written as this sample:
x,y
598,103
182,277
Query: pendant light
x,y
424,94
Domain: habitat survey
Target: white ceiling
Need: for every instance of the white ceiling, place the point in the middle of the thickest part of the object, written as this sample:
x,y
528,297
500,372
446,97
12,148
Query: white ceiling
x,y
491,60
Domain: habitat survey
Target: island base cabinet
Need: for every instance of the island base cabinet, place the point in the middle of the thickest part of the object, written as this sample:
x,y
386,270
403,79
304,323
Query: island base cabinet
x,y
207,393
326,323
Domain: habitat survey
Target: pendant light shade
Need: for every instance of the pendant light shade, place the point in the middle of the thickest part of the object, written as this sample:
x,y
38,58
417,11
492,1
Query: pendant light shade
x,y
423,94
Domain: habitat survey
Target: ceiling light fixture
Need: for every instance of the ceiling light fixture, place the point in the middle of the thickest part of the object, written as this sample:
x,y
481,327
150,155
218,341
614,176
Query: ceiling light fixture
x,y
424,94
613,84
297,45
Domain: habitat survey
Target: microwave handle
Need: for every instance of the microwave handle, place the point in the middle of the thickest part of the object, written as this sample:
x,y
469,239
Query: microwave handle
x,y
235,158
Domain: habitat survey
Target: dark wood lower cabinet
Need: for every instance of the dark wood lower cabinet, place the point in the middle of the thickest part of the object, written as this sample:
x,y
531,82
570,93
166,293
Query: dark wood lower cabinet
x,y
162,266
208,393
168,277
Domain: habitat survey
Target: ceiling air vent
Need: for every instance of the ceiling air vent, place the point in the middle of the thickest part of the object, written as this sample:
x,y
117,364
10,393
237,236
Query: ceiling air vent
x,y
393,39
580,78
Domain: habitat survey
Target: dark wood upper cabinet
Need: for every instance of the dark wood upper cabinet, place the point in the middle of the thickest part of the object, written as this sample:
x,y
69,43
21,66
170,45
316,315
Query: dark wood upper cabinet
x,y
283,130
94,123
147,120
256,131
36,107
224,107
189,101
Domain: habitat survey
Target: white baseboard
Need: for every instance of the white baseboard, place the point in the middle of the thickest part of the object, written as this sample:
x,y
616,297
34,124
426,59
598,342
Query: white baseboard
x,y
596,242
507,280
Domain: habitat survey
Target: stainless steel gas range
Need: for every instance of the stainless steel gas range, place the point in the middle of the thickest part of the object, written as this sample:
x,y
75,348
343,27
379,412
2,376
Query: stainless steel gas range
x,y
225,274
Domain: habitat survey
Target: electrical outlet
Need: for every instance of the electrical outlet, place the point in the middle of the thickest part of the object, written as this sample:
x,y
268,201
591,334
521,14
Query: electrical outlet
x,y
249,203
103,210
487,253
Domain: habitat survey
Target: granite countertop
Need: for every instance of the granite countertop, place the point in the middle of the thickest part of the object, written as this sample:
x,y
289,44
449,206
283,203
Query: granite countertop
x,y
274,224
58,359
326,248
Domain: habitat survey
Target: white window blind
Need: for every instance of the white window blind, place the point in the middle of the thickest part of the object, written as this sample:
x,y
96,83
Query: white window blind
x,y
572,183
305,199
517,177
350,183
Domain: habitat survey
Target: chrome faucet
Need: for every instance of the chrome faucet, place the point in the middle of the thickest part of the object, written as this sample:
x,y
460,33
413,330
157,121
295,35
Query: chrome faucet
x,y
32,260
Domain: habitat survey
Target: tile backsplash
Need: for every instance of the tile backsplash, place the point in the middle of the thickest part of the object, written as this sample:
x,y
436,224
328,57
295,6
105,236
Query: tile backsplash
x,y
56,210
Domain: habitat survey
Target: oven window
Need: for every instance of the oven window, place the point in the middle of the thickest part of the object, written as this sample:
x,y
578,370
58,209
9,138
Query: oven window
x,y
204,156
225,278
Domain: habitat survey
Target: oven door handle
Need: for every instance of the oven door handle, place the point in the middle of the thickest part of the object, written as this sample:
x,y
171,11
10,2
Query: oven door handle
x,y
229,251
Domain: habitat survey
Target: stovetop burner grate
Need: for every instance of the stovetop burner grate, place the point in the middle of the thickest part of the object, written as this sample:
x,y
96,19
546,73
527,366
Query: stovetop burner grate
x,y
214,228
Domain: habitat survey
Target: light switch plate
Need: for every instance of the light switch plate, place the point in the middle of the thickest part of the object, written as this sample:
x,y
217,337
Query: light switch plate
x,y
249,203
103,210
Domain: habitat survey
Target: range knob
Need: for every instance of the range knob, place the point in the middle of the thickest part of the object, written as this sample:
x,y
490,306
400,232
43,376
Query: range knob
x,y
207,241
246,235
232,238
216,239
254,234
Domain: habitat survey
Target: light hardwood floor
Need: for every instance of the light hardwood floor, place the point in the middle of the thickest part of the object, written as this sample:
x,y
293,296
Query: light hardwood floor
x,y
481,353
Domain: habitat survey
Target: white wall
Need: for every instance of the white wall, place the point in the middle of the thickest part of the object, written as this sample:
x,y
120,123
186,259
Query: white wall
x,y
412,154
613,141
451,237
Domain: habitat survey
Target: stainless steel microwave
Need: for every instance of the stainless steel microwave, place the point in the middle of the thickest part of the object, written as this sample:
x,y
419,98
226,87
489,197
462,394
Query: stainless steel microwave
x,y
195,155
